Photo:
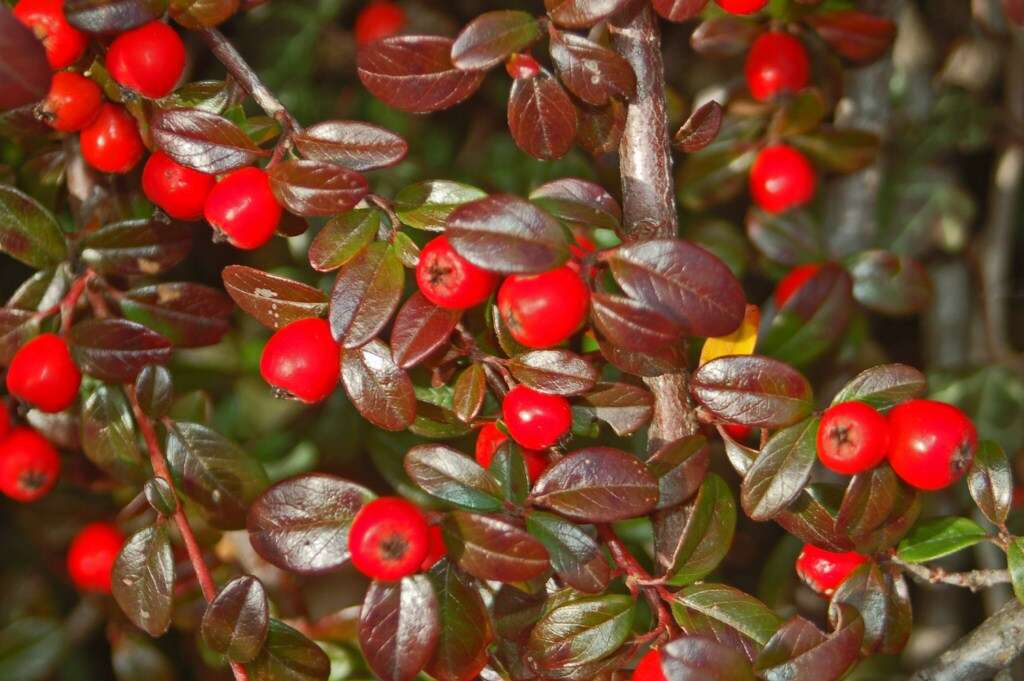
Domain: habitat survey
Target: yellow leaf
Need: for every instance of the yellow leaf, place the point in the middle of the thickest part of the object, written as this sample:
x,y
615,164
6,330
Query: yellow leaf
x,y
739,342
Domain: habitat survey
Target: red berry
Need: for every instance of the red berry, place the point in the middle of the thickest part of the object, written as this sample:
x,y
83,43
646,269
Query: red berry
x,y
781,178
852,437
111,143
43,374
793,282
824,570
436,549
448,280
243,208
490,438
29,465
541,310
149,59
737,431
932,444
582,245
649,667
777,63
179,190
63,42
92,554
72,103
5,420
389,539
379,19
522,66
536,420
303,360
742,6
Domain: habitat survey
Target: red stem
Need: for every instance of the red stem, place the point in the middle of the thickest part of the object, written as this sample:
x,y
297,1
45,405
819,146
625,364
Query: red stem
x,y
640,580
195,554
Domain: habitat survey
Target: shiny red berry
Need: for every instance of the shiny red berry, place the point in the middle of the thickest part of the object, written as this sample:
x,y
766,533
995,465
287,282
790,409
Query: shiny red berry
x,y
522,66
490,438
379,19
5,419
448,280
777,63
781,178
63,42
149,59
541,310
649,667
111,143
43,374
389,539
243,208
72,103
931,444
852,437
303,360
179,190
737,431
29,465
436,549
91,556
793,282
824,570
535,420
742,6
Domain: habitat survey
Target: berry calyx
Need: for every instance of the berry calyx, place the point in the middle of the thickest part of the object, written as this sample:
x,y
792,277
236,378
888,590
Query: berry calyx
x,y
448,280
72,103
243,208
111,143
793,282
931,444
490,438
178,190
302,360
29,465
91,556
742,6
149,59
649,667
824,570
535,420
522,66
389,539
63,42
379,19
781,179
43,374
541,310
852,437
436,549
777,63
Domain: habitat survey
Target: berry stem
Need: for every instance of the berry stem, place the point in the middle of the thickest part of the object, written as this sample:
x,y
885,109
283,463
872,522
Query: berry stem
x,y
975,580
195,554
67,304
248,79
639,580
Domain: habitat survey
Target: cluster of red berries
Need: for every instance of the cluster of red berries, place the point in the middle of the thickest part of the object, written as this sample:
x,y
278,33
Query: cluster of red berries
x,y
43,375
929,444
390,538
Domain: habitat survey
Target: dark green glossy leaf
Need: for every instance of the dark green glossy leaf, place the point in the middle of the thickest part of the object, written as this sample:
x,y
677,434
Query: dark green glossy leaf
x,y
366,294
112,16
236,622
399,627
732,607
869,501
28,231
940,537
801,113
597,484
108,435
780,470
116,350
990,482
30,648
16,328
881,597
791,238
799,650
301,524
154,390
679,468
343,237
465,630
426,205
454,477
214,472
890,284
575,554
691,540
841,150
287,655
493,548
136,247
189,315
580,631
143,579
509,469
884,386
752,390
1015,564
161,496
697,657
469,392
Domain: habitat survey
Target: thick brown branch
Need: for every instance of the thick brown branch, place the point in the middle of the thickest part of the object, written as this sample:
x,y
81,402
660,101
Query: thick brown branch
x,y
247,78
195,554
993,646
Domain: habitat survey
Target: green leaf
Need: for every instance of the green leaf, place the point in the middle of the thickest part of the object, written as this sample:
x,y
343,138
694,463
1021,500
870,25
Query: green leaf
x,y
697,657
799,650
426,205
575,554
108,435
143,579
730,606
780,471
1015,564
343,237
679,467
581,631
214,472
29,232
289,656
30,648
454,477
236,622
465,626
509,469
691,540
990,482
883,386
940,537
881,597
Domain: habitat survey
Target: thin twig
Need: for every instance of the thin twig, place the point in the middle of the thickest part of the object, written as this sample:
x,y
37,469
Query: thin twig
x,y
640,580
975,580
195,554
